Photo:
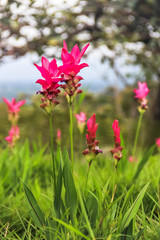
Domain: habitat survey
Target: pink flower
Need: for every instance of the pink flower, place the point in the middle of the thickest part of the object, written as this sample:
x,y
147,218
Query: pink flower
x,y
14,107
158,142
141,94
117,151
116,130
132,159
81,117
92,143
13,136
142,90
81,120
70,68
58,140
71,61
50,72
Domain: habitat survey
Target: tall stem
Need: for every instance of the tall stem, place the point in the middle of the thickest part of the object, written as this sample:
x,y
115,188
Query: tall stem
x,y
137,132
52,149
114,184
71,130
87,177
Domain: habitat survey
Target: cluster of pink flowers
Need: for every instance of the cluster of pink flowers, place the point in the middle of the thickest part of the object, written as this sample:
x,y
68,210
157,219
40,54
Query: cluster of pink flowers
x,y
81,121
141,94
13,110
117,151
92,143
66,75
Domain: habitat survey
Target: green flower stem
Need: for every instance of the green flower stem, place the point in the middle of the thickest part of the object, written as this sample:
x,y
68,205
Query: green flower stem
x,y
71,130
137,133
114,184
87,177
52,149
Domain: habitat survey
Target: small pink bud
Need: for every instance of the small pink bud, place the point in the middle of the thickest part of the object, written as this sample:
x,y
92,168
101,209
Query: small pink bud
x,y
81,121
58,140
158,143
117,151
132,159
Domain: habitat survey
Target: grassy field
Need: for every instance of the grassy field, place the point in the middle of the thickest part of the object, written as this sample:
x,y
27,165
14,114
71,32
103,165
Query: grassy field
x,y
105,216
75,201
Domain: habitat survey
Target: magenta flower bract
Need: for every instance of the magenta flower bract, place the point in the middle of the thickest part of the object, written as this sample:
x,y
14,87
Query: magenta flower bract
x,y
14,107
81,117
117,151
92,143
141,94
71,61
142,90
70,68
13,136
50,72
81,121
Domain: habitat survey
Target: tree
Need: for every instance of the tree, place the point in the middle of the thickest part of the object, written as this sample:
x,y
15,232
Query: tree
x,y
121,26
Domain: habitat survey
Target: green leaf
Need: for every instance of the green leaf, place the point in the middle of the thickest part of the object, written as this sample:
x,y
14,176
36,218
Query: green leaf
x,y
34,209
50,229
58,190
83,209
143,162
92,208
70,190
127,233
71,228
130,214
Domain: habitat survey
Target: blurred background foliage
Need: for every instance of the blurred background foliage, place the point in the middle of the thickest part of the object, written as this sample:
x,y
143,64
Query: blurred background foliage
x,y
121,28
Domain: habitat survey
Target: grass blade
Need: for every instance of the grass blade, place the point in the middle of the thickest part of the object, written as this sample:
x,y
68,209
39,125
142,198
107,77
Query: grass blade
x,y
130,214
34,209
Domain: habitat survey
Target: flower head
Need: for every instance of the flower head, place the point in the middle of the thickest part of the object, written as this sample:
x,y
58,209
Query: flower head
x,y
71,61
132,159
70,68
142,90
92,143
50,72
81,120
13,136
117,151
13,109
141,94
58,140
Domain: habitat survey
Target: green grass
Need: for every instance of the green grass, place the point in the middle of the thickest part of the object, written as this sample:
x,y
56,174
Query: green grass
x,y
95,214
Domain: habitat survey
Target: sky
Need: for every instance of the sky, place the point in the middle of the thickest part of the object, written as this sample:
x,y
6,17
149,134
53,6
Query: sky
x,y
22,72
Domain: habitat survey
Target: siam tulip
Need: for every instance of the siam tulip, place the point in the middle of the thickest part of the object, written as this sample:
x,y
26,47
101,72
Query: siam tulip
x,y
158,143
50,72
70,68
132,159
13,136
93,149
13,109
141,94
117,151
58,140
81,120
